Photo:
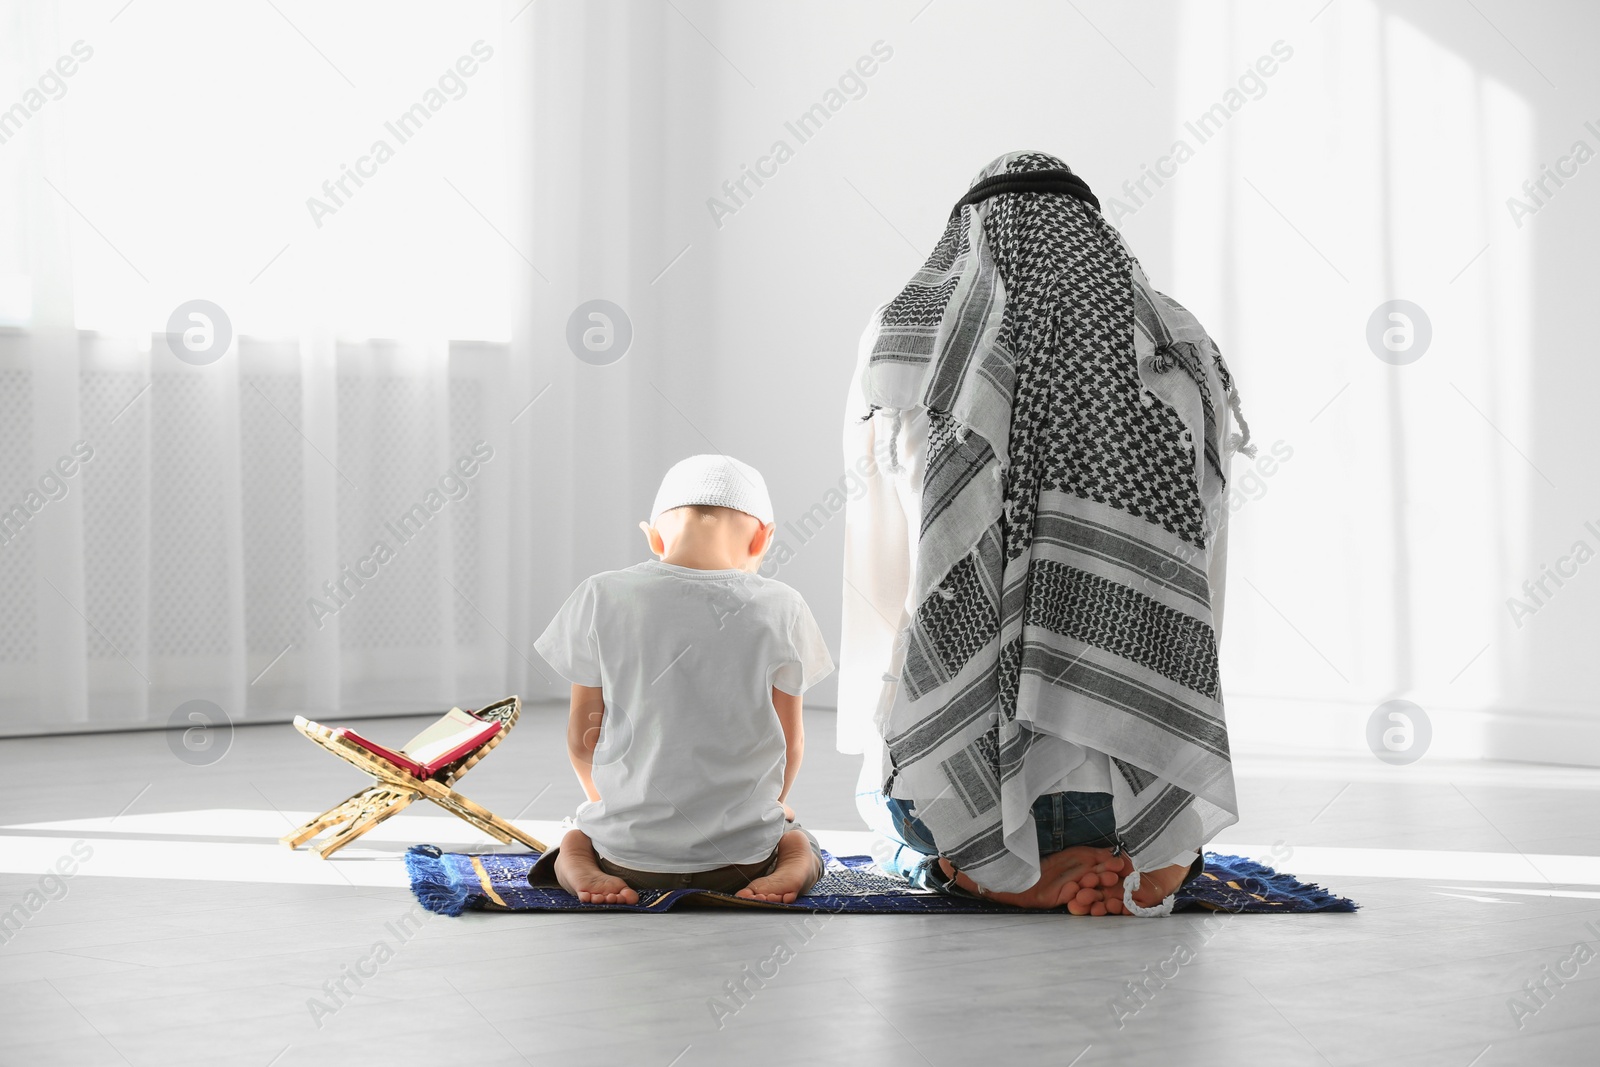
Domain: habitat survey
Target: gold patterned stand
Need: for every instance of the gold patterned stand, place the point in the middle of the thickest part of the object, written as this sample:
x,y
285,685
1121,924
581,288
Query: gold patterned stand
x,y
394,788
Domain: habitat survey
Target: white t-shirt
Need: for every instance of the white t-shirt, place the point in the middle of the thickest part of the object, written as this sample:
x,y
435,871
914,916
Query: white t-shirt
x,y
690,758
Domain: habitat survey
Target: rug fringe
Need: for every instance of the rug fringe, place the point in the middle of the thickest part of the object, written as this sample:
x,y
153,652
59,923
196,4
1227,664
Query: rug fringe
x,y
432,882
1286,884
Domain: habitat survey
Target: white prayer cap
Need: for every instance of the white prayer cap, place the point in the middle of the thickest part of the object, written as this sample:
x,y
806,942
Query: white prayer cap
x,y
712,479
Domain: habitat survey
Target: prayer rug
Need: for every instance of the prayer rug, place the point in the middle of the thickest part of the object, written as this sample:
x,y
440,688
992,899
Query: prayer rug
x,y
453,882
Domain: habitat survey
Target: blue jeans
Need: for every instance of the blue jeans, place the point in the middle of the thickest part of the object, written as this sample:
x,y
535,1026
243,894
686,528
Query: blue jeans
x,y
1061,821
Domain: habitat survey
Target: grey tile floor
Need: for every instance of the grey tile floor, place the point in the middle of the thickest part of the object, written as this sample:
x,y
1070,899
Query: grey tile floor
x,y
189,937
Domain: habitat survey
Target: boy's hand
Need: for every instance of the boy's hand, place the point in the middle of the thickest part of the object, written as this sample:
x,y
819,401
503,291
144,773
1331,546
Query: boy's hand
x,y
787,706
583,734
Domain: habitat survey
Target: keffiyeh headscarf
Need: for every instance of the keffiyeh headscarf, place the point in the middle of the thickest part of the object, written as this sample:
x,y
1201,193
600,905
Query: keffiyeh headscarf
x,y
1074,482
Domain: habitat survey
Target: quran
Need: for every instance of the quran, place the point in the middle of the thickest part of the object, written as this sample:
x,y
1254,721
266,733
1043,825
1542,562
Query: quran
x,y
454,735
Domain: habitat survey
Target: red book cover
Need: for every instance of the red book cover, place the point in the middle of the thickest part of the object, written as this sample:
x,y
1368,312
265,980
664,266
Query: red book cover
x,y
456,734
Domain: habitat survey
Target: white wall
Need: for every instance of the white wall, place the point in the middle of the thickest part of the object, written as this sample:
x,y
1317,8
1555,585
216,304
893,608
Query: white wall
x,y
1374,163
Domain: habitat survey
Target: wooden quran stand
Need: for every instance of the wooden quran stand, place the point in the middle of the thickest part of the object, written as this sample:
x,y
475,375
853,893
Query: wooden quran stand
x,y
395,787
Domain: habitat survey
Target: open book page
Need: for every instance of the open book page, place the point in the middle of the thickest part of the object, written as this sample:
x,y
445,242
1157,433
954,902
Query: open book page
x,y
456,730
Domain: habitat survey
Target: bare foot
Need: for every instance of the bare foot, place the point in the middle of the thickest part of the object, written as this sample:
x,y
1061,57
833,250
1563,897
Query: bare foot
x,y
1077,877
796,872
580,875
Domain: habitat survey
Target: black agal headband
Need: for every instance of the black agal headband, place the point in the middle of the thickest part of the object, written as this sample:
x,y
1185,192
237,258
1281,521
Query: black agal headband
x,y
1031,181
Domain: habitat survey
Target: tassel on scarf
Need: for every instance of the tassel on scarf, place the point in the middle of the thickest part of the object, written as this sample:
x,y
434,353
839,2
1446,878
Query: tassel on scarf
x,y
1239,442
1131,883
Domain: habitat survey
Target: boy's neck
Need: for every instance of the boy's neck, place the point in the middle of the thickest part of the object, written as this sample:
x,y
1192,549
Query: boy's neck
x,y
702,560
706,553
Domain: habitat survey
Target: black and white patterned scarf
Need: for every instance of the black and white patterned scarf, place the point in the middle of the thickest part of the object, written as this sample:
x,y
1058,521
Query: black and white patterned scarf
x,y
1074,482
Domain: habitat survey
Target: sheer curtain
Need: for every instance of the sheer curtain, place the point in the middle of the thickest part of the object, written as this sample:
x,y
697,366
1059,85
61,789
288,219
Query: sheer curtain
x,y
376,495
397,465
317,515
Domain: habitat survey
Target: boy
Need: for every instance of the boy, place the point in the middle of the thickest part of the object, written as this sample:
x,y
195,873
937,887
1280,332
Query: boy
x,y
685,732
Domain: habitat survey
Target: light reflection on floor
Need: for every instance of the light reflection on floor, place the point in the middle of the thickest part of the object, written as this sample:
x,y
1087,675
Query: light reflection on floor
x,y
240,845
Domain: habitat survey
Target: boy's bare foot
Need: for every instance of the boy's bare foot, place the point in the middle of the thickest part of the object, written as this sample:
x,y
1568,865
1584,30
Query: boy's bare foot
x,y
1078,877
579,874
796,872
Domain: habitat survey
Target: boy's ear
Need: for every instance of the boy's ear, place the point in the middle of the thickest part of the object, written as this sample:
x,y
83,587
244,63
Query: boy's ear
x,y
658,547
762,539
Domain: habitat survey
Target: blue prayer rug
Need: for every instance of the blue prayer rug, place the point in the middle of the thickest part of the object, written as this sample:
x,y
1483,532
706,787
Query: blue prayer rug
x,y
453,882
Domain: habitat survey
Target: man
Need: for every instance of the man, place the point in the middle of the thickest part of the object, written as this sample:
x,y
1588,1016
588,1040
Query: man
x,y
1034,574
